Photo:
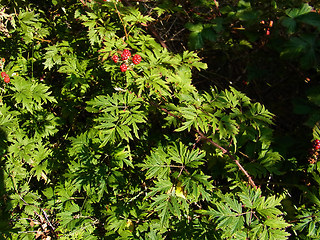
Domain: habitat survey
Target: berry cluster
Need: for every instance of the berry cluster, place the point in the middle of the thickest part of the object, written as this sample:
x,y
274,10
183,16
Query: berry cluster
x,y
115,58
267,30
313,154
316,144
125,57
5,77
123,67
136,59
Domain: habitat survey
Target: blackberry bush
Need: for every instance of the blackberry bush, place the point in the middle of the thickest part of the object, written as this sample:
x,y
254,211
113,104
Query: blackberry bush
x,y
148,120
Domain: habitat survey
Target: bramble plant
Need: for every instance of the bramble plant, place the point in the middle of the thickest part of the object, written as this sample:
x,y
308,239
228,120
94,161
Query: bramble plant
x,y
132,120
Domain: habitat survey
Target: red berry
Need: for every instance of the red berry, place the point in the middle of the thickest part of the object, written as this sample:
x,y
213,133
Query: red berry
x,y
6,79
3,74
125,54
136,59
268,32
115,58
316,143
123,68
124,57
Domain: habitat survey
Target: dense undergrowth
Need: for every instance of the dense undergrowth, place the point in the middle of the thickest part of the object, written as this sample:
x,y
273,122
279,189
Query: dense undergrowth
x,y
159,119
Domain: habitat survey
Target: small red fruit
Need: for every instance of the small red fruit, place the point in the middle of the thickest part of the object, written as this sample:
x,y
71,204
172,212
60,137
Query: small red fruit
x,y
6,79
136,59
316,142
3,74
123,68
115,58
125,54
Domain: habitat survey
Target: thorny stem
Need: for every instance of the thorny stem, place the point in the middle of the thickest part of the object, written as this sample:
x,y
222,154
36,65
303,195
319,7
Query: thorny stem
x,y
171,114
225,151
212,142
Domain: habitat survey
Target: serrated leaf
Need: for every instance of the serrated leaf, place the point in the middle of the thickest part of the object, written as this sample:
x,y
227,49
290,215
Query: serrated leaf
x,y
277,234
276,223
157,164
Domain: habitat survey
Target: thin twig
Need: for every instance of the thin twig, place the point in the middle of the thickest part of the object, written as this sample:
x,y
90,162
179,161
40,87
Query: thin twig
x,y
217,7
180,172
46,216
173,37
155,34
299,219
83,3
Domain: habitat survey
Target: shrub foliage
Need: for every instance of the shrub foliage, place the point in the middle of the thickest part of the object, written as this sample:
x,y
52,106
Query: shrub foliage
x,y
112,129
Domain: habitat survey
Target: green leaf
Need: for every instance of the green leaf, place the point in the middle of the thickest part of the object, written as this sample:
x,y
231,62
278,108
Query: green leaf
x,y
310,18
134,16
161,186
209,34
267,207
164,214
194,27
276,223
181,154
316,131
31,95
195,40
289,23
249,196
157,164
276,234
296,12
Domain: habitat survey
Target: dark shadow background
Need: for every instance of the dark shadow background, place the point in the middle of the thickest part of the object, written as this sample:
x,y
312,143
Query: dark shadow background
x,y
5,226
